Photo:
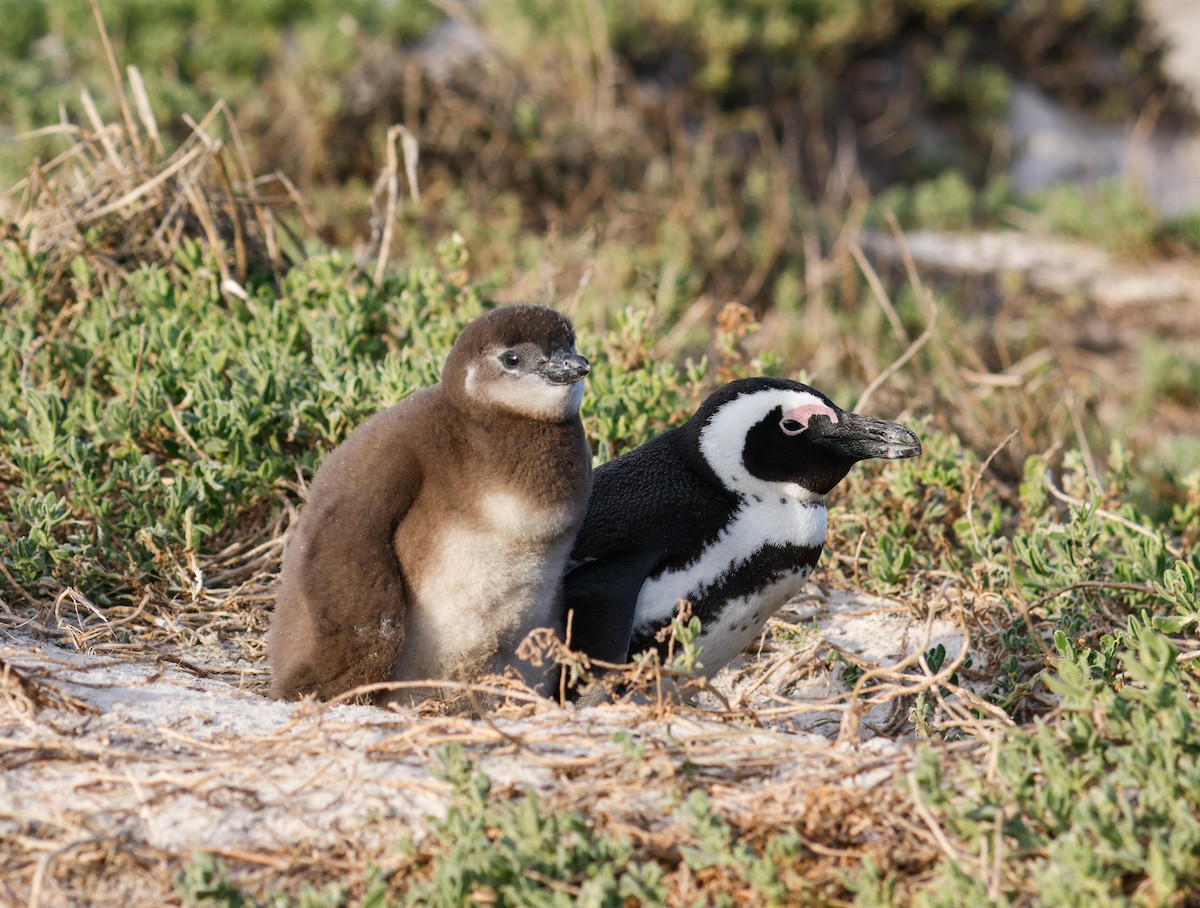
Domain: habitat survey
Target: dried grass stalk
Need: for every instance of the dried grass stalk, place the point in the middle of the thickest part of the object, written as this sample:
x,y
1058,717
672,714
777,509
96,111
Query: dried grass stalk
x,y
120,199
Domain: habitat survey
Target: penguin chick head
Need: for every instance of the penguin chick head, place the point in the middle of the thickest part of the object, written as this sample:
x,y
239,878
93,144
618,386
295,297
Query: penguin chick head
x,y
520,359
769,436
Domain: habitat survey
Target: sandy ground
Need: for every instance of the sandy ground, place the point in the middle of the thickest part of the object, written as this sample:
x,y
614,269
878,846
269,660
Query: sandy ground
x,y
158,761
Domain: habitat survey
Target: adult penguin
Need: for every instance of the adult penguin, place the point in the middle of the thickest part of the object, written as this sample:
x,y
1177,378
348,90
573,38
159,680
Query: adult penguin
x,y
726,511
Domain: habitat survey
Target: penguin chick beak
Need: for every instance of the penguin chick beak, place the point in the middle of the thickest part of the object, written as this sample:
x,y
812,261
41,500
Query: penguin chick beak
x,y
863,437
564,367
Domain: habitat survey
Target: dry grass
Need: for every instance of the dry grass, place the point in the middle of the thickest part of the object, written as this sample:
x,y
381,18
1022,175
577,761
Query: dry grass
x,y
136,735
157,741
117,199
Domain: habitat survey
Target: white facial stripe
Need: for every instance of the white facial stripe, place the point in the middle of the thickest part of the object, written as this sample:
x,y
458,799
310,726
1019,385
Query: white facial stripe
x,y
527,395
723,439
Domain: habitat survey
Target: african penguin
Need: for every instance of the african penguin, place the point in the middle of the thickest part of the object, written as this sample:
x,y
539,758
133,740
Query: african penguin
x,y
435,536
726,511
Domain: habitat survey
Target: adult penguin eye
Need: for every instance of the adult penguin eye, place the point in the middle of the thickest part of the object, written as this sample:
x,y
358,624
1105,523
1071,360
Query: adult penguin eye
x,y
510,359
791,426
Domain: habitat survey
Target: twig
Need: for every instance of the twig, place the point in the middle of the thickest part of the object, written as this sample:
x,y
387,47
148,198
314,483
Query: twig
x,y
930,822
137,368
879,292
1085,448
1109,515
12,581
142,189
913,349
1027,615
184,433
1094,585
118,86
144,109
251,857
398,137
384,686
978,478
102,133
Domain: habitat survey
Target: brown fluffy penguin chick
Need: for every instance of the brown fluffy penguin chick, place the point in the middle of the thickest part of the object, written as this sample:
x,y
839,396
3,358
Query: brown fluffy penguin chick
x,y
435,536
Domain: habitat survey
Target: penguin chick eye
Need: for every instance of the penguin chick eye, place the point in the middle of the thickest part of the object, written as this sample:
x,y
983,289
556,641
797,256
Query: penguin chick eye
x,y
792,426
510,359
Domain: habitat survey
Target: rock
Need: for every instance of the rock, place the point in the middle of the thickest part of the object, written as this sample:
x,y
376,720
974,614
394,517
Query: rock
x,y
1177,22
1050,265
1054,144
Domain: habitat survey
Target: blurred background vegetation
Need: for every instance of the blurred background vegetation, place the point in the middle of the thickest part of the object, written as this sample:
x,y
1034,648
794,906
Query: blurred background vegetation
x,y
683,154
605,115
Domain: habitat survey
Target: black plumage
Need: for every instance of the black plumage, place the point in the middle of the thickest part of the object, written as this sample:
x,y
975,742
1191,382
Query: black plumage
x,y
653,509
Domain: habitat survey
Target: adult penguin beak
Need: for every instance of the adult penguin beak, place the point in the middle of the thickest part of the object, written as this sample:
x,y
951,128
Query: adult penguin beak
x,y
861,437
564,367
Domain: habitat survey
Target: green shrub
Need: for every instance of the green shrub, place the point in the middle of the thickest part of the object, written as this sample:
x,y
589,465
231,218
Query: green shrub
x,y
153,418
1100,806
158,416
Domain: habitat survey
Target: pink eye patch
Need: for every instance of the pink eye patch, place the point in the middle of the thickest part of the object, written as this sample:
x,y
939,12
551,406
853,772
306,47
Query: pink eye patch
x,y
796,420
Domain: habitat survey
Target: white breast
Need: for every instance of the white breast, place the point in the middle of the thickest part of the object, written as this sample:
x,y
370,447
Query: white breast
x,y
799,521
498,576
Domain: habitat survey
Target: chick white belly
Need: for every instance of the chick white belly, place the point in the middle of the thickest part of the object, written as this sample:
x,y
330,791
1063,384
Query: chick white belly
x,y
494,581
475,610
